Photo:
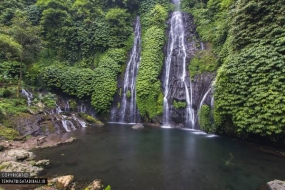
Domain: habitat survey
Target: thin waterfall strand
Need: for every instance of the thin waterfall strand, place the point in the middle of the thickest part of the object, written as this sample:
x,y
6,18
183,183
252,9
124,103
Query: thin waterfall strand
x,y
204,98
130,79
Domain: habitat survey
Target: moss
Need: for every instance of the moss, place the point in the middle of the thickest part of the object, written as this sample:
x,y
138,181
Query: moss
x,y
47,126
179,104
205,119
90,119
72,104
129,94
8,133
204,61
12,106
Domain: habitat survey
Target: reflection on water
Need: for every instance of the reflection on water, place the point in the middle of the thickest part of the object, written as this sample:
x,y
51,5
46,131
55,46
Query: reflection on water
x,y
156,158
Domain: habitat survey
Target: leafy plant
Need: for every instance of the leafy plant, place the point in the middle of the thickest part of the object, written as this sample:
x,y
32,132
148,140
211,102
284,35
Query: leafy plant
x,y
179,104
205,122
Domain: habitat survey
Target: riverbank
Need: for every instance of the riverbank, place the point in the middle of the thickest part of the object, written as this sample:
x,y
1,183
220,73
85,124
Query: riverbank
x,y
18,156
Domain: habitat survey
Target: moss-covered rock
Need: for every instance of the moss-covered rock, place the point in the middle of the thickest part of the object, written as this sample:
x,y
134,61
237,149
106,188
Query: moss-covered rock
x,y
90,119
8,133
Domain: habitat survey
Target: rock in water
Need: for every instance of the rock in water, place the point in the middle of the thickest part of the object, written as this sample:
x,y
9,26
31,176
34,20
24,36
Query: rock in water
x,y
42,163
276,185
138,126
64,181
95,185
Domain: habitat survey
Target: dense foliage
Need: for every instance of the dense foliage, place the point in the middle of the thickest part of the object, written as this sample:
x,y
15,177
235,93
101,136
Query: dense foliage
x,y
248,40
99,83
149,95
250,86
79,47
203,61
205,119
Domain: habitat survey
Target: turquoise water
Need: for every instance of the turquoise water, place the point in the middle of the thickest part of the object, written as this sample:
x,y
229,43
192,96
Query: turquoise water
x,y
156,158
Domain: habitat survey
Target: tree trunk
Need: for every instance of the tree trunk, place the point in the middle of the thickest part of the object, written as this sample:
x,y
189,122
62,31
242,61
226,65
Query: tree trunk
x,y
20,79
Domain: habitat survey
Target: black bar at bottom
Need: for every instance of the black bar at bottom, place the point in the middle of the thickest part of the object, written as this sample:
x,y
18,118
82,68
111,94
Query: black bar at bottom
x,y
23,181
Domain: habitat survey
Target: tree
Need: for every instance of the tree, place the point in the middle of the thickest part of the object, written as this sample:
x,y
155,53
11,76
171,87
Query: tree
x,y
27,36
119,25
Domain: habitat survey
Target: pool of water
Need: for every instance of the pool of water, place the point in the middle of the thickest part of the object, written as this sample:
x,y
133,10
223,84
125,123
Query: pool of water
x,y
156,158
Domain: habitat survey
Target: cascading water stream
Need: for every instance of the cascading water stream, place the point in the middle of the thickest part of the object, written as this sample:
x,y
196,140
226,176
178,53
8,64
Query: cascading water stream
x,y
28,95
129,88
176,50
204,98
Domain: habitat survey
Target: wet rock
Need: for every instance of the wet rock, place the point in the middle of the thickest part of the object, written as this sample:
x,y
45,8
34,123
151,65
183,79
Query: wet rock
x,y
12,166
42,163
71,139
95,185
20,155
276,185
64,181
40,105
21,138
138,126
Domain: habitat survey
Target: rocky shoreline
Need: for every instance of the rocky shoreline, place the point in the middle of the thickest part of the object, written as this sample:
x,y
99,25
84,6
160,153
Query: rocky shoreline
x,y
17,156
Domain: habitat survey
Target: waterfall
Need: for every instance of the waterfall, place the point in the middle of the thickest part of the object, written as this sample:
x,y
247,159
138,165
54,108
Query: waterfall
x,y
82,108
67,124
202,45
81,122
66,106
58,109
28,95
176,51
204,97
128,102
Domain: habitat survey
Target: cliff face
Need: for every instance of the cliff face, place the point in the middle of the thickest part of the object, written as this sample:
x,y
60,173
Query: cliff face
x,y
200,83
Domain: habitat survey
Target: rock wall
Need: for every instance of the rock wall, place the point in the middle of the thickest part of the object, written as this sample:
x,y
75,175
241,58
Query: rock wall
x,y
200,84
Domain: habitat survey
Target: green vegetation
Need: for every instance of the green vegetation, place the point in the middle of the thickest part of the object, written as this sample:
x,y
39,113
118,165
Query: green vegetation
x,y
149,95
248,41
9,104
80,47
45,100
148,85
204,61
90,119
205,122
128,94
179,104
8,133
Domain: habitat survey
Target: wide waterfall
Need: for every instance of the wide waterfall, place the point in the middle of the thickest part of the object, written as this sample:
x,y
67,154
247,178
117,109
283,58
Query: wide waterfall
x,y
176,63
128,111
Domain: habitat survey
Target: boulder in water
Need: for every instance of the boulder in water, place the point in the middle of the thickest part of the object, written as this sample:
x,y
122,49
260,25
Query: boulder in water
x,y
276,185
64,181
42,163
95,185
138,126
